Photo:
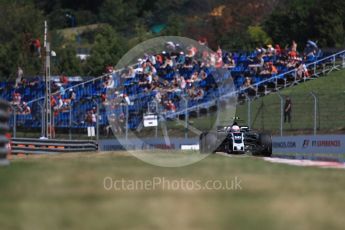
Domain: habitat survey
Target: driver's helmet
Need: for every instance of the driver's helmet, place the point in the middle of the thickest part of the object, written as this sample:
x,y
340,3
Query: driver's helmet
x,y
235,128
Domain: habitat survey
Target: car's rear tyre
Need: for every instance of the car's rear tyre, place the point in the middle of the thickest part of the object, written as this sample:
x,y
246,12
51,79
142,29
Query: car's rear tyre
x,y
208,143
265,145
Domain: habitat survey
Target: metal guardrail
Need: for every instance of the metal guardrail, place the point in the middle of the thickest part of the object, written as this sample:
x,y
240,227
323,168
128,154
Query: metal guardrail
x,y
48,146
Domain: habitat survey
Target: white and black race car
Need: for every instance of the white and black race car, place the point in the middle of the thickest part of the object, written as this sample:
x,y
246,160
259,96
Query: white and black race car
x,y
236,140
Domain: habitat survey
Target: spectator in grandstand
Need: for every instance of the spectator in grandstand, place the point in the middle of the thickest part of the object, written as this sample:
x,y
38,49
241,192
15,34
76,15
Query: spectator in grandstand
x,y
145,81
257,63
248,87
219,58
104,99
115,124
108,82
129,73
270,50
181,59
148,68
125,99
94,117
302,71
62,90
228,61
26,109
287,110
182,82
53,102
168,63
88,118
191,92
158,97
170,106
16,99
293,60
192,51
159,59
55,87
194,77
35,47
293,55
294,46
152,59
112,126
109,69
35,81
72,95
20,74
59,103
278,50
63,79
269,69
199,94
203,41
120,122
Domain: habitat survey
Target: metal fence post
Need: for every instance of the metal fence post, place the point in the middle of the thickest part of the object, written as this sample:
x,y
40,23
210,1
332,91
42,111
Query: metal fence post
x,y
70,123
281,113
295,77
97,124
127,115
186,119
315,111
42,120
156,112
14,123
249,112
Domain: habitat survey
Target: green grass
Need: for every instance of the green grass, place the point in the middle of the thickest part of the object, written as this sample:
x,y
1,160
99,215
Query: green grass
x,y
66,192
330,90
71,33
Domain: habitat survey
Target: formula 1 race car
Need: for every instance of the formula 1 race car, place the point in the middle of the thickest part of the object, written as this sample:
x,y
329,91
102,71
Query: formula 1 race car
x,y
236,140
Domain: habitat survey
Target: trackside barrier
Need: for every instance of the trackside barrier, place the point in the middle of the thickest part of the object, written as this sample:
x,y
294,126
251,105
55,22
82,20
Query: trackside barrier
x,y
41,146
4,117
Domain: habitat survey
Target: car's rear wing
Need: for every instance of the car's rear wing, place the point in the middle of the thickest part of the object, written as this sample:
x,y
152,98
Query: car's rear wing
x,y
223,128
245,129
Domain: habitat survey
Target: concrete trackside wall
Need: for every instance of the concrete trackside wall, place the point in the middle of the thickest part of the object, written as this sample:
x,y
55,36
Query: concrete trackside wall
x,y
328,144
175,143
289,144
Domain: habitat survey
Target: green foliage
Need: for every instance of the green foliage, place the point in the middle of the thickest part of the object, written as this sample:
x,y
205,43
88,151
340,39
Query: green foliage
x,y
175,26
258,36
67,62
322,20
130,22
236,41
120,14
108,49
20,24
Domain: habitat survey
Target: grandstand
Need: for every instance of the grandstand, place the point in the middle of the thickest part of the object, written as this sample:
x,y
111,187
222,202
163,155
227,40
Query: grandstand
x,y
253,74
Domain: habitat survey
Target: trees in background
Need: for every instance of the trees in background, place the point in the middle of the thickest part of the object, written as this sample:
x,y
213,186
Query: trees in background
x,y
20,24
320,20
235,25
108,49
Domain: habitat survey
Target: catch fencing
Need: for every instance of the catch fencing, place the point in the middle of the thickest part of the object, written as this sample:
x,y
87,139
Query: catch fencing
x,y
313,111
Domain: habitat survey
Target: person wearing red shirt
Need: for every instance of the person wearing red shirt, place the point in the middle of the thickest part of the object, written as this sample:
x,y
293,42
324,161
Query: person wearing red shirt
x,y
64,79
